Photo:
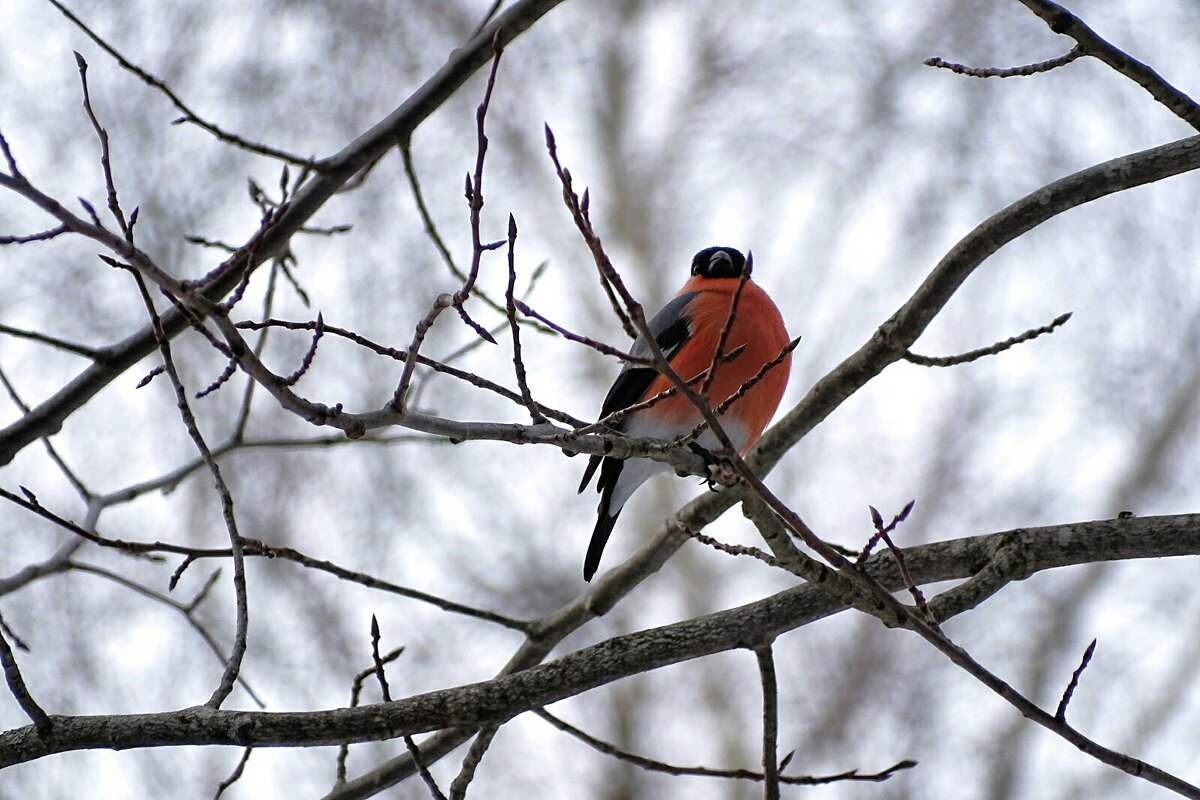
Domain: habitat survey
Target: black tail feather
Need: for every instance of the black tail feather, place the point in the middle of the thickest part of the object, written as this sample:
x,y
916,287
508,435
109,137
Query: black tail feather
x,y
593,463
604,526
606,515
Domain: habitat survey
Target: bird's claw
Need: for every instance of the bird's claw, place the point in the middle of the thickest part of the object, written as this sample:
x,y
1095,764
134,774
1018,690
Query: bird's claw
x,y
720,470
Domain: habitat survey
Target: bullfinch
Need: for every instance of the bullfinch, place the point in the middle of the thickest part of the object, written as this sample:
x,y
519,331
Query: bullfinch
x,y
688,330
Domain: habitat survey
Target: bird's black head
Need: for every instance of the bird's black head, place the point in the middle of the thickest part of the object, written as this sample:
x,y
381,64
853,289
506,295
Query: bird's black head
x,y
718,262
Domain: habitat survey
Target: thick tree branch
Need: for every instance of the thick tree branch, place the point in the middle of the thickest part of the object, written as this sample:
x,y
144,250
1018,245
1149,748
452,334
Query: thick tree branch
x,y
335,171
897,334
474,705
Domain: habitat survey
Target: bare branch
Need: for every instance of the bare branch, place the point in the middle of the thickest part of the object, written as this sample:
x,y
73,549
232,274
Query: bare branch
x,y
730,319
234,662
1062,21
333,173
306,362
186,609
705,772
235,775
255,548
41,236
578,213
1008,72
515,329
474,194
1061,713
16,684
770,717
114,205
463,708
999,347
734,549
422,768
53,341
483,740
188,114
82,490
355,692
380,675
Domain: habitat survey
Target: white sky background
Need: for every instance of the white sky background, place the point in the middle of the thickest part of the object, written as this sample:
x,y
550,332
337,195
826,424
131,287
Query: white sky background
x,y
814,137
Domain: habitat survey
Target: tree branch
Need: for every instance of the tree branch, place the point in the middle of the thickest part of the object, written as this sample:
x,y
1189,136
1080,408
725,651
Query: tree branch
x,y
474,705
335,171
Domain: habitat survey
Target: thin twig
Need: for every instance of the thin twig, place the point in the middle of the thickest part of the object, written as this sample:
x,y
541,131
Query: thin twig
x,y
595,344
61,344
431,229
255,548
746,386
730,319
20,692
306,362
422,768
40,236
82,490
402,355
474,194
999,347
235,775
9,633
234,662
1064,22
880,530
188,114
219,381
733,774
1061,713
610,421
187,609
1008,72
770,717
355,693
515,329
487,17
114,206
732,549
384,690
399,397
582,222
169,481
913,589
260,346
57,563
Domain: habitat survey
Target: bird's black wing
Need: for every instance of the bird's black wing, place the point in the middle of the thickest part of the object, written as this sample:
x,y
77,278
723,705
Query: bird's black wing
x,y
670,328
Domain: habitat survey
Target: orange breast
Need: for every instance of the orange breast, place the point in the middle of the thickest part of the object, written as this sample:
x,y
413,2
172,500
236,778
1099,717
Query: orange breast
x,y
759,327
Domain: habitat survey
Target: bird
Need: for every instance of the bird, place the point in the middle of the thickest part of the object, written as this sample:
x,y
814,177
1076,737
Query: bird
x,y
687,331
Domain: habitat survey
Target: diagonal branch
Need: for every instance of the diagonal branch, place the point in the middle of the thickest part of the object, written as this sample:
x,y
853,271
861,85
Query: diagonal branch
x,y
333,173
16,685
1064,22
188,114
464,708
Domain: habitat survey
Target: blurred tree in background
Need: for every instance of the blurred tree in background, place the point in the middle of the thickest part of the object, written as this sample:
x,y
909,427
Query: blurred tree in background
x,y
810,133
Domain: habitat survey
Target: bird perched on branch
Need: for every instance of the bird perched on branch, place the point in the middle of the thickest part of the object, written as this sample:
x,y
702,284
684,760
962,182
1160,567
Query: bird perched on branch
x,y
688,330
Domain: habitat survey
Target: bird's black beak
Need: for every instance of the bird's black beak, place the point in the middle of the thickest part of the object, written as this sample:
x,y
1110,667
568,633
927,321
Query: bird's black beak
x,y
720,263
